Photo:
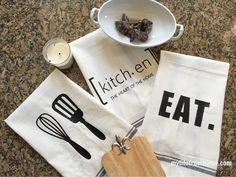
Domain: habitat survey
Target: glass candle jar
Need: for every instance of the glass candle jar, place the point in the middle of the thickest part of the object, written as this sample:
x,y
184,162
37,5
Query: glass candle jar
x,y
58,53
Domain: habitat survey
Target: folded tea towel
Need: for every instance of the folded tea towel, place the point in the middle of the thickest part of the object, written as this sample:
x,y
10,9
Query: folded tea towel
x,y
120,77
184,115
67,126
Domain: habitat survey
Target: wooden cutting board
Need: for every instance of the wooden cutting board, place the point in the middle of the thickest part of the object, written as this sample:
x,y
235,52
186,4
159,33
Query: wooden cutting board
x,y
138,161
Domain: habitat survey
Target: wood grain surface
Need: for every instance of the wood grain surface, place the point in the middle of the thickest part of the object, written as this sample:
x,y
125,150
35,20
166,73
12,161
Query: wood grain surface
x,y
138,161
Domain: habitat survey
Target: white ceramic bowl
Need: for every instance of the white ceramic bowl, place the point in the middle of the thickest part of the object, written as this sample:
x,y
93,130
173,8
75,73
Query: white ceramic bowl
x,y
164,23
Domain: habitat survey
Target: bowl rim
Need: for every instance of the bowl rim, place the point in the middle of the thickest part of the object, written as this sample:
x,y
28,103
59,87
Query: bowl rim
x,y
144,45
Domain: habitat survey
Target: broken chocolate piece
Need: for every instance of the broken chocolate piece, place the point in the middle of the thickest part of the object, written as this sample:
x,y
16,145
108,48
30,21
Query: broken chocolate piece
x,y
138,29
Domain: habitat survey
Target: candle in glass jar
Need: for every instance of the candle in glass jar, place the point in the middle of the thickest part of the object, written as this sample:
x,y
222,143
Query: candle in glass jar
x,y
58,53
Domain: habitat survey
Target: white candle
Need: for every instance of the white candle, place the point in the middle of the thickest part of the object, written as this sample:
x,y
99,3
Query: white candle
x,y
58,53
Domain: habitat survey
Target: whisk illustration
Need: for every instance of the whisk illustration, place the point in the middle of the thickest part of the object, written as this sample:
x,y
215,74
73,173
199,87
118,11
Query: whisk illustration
x,y
68,109
51,126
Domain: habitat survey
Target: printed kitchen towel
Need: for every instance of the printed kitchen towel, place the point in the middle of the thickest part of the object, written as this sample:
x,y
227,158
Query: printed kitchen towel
x,y
184,115
68,126
120,77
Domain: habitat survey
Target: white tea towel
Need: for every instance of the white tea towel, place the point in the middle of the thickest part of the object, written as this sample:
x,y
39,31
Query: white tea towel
x,y
120,77
184,115
67,126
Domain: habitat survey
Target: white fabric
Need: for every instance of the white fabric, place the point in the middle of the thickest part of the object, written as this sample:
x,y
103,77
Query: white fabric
x,y
57,152
121,77
188,82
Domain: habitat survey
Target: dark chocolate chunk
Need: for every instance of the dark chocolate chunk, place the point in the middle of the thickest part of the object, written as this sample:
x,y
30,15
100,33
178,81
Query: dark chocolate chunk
x,y
138,29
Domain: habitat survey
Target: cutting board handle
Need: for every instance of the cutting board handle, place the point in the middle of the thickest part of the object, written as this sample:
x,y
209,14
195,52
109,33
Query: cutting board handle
x,y
139,160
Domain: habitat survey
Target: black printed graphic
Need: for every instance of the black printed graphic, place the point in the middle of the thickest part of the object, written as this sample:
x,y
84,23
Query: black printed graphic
x,y
100,98
51,126
107,85
183,109
211,127
91,82
200,111
68,109
165,103
154,55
